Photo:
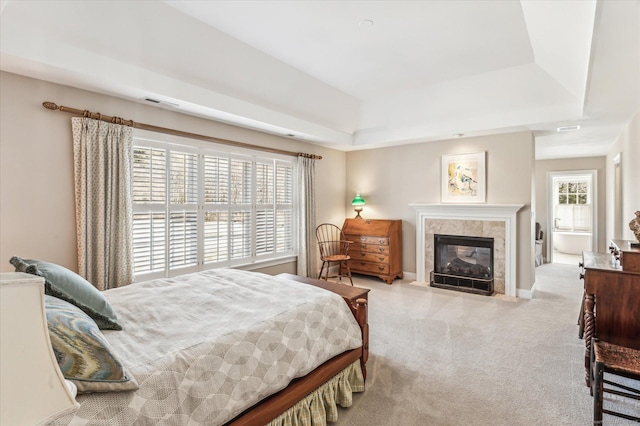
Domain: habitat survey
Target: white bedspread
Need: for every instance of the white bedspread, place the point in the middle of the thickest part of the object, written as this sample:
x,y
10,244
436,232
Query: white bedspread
x,y
206,346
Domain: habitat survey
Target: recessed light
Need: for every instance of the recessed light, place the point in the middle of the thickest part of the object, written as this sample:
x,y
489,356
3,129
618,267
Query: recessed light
x,y
290,135
366,23
571,128
459,135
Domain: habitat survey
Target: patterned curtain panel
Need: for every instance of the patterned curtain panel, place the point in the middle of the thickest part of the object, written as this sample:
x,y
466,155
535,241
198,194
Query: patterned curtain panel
x,y
102,155
307,217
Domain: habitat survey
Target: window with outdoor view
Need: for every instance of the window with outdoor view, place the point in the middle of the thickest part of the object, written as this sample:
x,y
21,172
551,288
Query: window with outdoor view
x,y
197,208
572,209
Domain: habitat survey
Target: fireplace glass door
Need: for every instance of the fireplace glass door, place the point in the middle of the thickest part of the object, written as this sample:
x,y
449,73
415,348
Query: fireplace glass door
x,y
463,263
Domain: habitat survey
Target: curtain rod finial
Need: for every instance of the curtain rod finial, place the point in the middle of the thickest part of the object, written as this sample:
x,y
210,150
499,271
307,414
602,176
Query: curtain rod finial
x,y
50,105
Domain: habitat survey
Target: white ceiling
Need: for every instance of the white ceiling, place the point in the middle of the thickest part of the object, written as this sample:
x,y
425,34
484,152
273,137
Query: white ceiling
x,y
351,74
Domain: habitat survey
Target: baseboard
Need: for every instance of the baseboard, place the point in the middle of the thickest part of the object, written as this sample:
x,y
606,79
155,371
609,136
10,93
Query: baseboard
x,y
409,275
526,294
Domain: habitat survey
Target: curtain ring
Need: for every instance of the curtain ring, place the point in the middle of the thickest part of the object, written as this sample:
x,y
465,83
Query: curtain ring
x,y
85,113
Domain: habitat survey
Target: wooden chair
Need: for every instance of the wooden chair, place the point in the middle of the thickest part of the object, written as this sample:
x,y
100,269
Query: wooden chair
x,y
612,335
614,360
334,248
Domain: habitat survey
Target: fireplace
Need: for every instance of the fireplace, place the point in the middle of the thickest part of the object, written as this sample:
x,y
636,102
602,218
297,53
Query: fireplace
x,y
497,221
463,263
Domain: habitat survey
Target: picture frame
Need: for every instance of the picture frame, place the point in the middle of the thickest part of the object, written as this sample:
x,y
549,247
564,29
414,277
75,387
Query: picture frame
x,y
463,178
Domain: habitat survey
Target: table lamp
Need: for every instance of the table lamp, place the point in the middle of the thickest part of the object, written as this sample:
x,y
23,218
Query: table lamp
x,y
357,204
32,387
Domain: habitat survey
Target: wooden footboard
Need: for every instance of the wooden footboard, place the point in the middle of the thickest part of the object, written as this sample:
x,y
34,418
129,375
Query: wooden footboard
x,y
357,300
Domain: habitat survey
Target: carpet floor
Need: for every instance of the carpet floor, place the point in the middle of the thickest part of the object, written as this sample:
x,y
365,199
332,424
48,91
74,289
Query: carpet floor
x,y
441,357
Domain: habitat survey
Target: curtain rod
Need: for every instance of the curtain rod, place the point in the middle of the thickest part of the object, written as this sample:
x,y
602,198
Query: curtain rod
x,y
96,115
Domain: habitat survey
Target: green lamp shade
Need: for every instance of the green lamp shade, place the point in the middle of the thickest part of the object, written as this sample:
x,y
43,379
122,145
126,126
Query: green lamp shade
x,y
358,201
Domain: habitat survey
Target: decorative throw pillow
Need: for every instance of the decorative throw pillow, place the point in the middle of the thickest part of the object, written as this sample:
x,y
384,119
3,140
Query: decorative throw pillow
x,y
82,352
67,285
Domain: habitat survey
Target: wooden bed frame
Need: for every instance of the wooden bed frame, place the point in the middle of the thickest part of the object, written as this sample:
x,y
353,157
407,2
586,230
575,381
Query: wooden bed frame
x,y
271,407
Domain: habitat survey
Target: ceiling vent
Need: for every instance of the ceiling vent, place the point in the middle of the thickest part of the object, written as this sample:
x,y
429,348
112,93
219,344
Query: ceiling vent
x,y
159,102
571,128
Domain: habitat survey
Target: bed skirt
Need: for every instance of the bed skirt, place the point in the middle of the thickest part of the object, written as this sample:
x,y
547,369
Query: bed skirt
x,y
321,405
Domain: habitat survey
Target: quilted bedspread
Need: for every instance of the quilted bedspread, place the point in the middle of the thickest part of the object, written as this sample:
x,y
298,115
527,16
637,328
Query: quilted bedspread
x,y
206,346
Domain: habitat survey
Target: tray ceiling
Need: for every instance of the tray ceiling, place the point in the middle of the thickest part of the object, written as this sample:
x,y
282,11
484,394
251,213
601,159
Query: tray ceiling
x,y
351,74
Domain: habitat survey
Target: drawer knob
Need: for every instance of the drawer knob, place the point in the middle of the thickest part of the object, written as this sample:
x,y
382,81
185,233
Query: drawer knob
x,y
363,254
582,276
381,249
362,263
381,241
380,268
381,258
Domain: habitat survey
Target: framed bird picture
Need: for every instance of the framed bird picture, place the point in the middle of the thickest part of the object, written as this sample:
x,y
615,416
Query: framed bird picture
x,y
464,178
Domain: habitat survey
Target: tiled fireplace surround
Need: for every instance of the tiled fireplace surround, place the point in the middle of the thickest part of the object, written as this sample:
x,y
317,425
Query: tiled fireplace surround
x,y
497,221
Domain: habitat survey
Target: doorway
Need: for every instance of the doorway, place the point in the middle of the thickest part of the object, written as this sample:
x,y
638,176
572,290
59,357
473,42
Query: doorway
x,y
572,214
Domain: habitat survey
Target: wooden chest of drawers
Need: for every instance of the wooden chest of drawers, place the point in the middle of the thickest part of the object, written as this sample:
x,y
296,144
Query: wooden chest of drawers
x,y
377,247
629,256
611,299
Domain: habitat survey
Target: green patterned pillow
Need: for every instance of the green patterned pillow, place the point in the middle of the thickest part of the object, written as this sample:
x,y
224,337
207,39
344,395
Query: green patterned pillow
x,y
67,285
82,352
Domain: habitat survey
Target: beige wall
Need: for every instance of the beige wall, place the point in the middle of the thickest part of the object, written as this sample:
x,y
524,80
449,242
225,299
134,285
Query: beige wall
x,y
37,214
544,167
389,179
36,173
628,146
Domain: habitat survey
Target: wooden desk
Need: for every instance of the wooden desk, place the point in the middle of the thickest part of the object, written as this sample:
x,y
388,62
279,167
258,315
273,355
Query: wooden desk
x,y
611,304
376,248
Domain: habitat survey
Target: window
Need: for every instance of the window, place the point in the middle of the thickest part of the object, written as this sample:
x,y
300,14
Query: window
x,y
197,208
572,210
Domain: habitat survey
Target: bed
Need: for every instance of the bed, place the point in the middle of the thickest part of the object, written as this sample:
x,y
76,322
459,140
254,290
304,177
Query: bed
x,y
231,347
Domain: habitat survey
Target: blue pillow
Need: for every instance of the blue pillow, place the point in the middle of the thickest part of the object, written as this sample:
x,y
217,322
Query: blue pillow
x,y
71,287
82,352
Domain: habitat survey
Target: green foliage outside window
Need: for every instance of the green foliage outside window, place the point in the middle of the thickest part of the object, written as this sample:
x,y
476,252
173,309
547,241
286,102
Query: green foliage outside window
x,y
573,193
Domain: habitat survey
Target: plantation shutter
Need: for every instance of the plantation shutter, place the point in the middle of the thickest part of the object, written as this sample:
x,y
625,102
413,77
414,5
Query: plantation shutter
x,y
196,208
149,217
240,208
284,207
216,205
183,209
265,208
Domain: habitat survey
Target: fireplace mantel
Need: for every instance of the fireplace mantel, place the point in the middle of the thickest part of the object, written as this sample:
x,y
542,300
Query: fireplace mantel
x,y
483,212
